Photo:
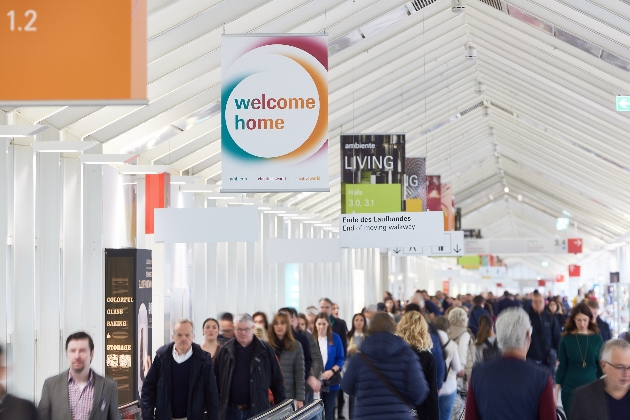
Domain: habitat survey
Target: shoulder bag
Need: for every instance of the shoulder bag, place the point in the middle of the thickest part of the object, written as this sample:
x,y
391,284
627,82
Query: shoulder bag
x,y
412,411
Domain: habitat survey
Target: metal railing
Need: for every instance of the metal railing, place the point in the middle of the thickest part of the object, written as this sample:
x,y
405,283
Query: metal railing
x,y
131,411
314,410
277,412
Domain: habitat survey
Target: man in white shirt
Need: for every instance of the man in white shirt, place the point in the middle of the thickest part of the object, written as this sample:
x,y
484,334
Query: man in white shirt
x,y
168,391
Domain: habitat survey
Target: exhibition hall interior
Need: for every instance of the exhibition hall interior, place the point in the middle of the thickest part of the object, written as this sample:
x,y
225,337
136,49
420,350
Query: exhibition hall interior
x,y
173,161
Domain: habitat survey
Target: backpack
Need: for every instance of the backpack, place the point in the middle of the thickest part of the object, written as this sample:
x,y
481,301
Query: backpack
x,y
491,352
446,367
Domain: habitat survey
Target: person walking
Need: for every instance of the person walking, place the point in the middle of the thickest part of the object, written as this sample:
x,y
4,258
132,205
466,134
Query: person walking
x,y
313,383
461,334
510,387
78,393
13,408
413,328
356,336
246,369
545,334
210,343
331,348
607,398
290,356
180,383
446,396
385,377
486,346
604,327
476,312
556,311
578,354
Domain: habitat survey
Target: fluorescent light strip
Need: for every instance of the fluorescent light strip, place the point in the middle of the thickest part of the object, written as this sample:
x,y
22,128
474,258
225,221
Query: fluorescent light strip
x,y
143,169
13,131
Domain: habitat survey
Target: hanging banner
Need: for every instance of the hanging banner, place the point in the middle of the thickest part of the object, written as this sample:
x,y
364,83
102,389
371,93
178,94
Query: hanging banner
x,y
372,173
434,193
575,270
274,110
447,207
415,184
93,52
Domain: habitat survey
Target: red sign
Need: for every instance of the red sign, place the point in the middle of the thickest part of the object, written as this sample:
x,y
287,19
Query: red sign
x,y
574,270
541,283
499,284
446,287
158,196
560,278
574,245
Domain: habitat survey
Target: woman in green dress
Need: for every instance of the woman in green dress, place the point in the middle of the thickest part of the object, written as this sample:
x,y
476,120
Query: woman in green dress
x,y
578,354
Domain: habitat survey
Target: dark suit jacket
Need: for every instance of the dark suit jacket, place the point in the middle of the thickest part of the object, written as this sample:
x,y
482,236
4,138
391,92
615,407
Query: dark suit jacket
x,y
55,403
339,327
14,408
589,402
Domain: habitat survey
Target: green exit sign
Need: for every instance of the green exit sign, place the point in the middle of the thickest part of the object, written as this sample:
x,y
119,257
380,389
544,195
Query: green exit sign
x,y
623,103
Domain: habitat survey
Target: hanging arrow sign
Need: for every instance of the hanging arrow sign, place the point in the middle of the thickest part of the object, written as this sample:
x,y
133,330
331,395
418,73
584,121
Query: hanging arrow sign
x,y
623,103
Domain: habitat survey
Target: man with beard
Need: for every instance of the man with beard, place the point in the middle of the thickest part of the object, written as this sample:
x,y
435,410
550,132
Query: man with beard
x,y
79,393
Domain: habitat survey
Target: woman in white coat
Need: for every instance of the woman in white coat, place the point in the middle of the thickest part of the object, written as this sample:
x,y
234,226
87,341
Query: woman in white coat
x,y
446,395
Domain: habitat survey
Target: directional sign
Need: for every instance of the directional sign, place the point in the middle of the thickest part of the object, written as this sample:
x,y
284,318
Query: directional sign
x,y
574,245
574,270
623,103
453,246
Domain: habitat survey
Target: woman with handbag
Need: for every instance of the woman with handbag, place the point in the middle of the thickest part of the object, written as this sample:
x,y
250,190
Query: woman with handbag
x,y
333,356
385,377
290,356
413,328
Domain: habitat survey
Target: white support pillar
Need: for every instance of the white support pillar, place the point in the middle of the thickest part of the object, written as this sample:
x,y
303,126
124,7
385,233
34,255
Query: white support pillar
x,y
6,180
200,282
23,332
93,285
49,342
72,247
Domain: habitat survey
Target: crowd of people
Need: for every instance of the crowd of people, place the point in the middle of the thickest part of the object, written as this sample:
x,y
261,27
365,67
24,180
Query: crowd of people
x,y
430,357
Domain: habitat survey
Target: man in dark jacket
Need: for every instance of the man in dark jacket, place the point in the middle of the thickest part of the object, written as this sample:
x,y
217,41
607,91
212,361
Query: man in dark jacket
x,y
476,312
13,408
545,334
180,383
604,327
607,398
508,301
246,369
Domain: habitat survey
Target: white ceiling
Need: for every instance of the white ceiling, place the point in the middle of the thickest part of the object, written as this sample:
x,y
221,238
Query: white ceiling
x,y
552,135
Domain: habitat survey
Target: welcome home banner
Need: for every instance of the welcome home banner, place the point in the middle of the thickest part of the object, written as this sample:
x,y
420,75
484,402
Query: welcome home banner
x,y
274,110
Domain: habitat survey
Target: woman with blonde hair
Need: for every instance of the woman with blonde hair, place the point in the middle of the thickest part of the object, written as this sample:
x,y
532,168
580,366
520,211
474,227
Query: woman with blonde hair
x,y
413,328
461,334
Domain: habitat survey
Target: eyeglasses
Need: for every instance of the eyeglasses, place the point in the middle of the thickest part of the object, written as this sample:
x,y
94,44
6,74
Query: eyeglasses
x,y
243,330
620,369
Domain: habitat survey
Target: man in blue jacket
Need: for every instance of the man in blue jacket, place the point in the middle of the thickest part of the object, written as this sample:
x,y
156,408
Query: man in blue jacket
x,y
180,383
545,334
476,312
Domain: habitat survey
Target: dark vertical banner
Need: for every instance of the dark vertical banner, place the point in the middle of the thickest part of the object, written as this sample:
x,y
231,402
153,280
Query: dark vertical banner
x,y
434,193
143,307
372,173
415,184
128,281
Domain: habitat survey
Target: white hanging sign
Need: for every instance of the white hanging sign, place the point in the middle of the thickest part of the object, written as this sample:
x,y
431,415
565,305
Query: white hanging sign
x,y
274,113
390,230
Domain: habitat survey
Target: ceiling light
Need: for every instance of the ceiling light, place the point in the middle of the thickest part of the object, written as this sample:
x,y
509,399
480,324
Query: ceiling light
x,y
21,130
545,263
471,52
106,159
491,197
62,146
520,197
143,169
480,88
220,196
274,211
458,6
506,190
562,223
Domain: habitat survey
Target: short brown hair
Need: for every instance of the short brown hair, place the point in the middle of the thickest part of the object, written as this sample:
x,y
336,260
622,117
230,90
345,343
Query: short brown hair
x,y
382,322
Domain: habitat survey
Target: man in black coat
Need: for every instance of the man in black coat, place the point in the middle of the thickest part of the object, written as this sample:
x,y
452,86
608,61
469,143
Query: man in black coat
x,y
604,327
545,338
340,328
246,369
181,382
508,301
13,408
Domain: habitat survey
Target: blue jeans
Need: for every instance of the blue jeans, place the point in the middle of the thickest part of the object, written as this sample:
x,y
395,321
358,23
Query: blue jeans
x,y
445,402
329,399
235,414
